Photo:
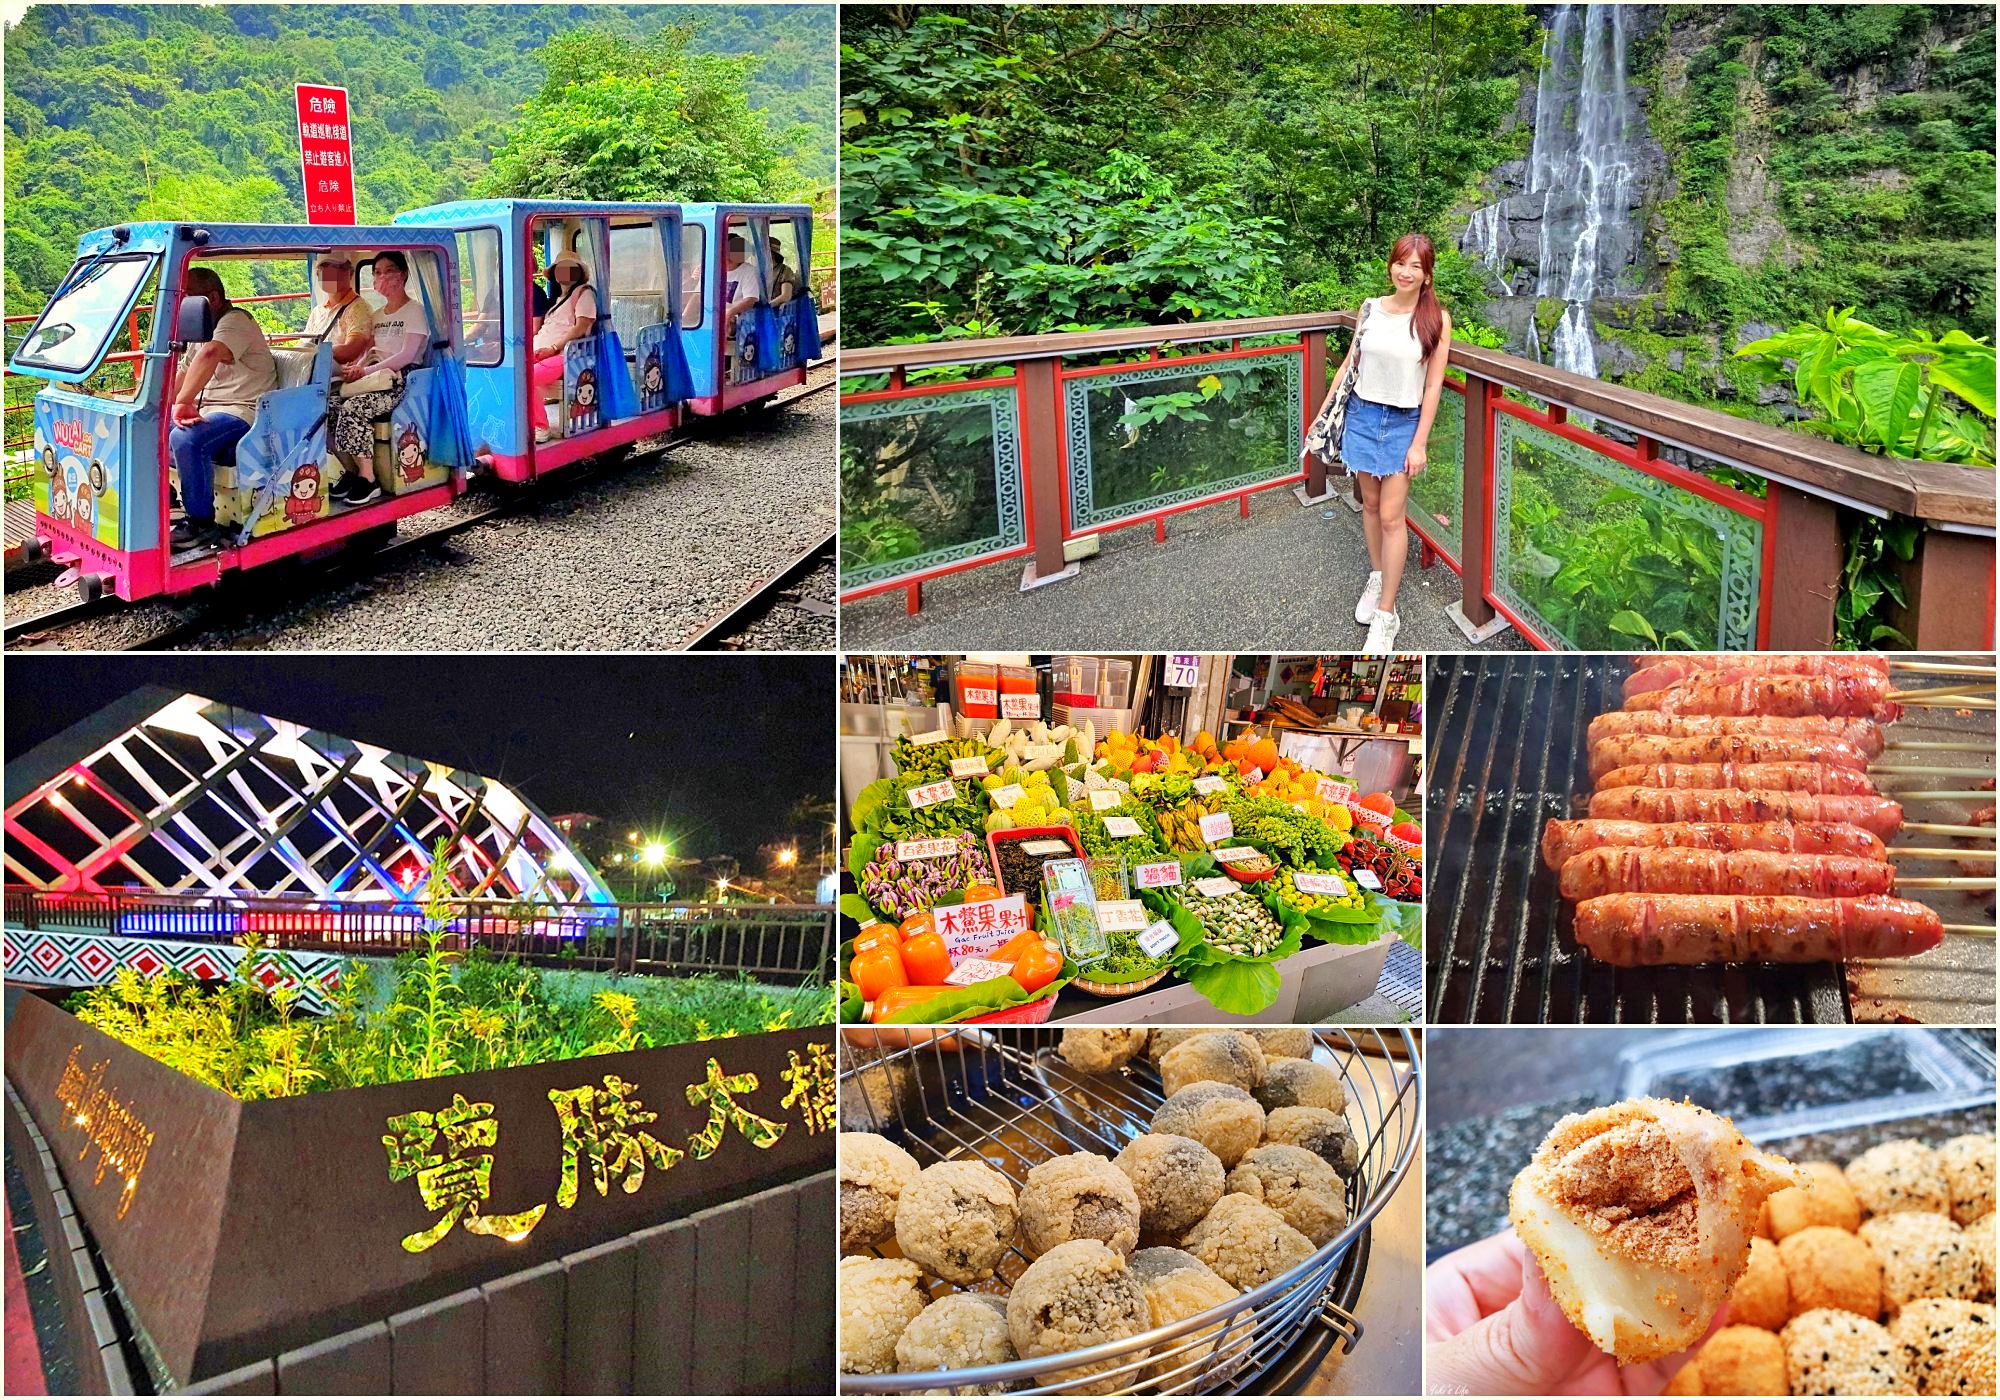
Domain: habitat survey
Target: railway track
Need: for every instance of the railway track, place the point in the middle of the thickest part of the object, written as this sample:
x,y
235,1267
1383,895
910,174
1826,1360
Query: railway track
x,y
233,605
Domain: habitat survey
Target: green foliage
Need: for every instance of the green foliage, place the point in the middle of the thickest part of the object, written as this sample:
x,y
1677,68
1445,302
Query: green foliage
x,y
1037,168
115,112
619,120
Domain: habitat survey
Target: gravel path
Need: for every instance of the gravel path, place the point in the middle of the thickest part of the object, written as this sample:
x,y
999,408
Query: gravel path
x,y
1283,580
635,561
802,618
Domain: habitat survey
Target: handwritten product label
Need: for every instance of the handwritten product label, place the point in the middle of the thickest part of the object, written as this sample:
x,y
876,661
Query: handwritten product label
x,y
1120,827
1236,853
930,794
1210,784
974,929
1309,883
980,695
935,736
1216,886
1253,777
926,850
1334,790
1216,826
1159,939
977,970
1035,753
1367,879
1020,706
1157,874
1006,796
974,767
1046,848
1121,915
1104,799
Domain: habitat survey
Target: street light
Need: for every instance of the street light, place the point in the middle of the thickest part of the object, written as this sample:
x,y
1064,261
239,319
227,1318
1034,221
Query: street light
x,y
654,854
788,856
721,884
631,836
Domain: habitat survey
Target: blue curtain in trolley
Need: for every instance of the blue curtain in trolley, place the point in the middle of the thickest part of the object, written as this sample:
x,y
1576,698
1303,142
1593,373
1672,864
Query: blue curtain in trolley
x,y
279,458
769,348
445,414
614,381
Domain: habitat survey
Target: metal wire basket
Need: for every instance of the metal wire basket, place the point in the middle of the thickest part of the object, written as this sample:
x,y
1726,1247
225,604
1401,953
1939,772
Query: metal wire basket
x,y
1005,1098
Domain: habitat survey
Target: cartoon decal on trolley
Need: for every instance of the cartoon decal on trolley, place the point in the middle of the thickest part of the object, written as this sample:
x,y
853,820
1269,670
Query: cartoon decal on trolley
x,y
72,484
302,501
410,455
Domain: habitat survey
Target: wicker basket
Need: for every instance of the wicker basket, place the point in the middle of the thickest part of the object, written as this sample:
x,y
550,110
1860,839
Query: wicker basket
x,y
1115,989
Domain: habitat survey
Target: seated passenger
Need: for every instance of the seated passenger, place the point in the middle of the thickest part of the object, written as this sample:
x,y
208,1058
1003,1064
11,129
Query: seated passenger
x,y
344,316
572,316
742,287
373,384
215,399
784,277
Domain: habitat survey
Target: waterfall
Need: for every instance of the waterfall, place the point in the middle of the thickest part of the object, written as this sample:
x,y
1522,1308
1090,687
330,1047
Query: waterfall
x,y
1581,165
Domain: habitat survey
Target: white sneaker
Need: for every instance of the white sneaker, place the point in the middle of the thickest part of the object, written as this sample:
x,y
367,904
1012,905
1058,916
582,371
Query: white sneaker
x,y
1364,611
1382,634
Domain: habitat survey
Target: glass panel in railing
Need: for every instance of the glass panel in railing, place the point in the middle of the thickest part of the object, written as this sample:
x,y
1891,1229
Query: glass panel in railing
x,y
1438,491
927,480
1163,435
1595,555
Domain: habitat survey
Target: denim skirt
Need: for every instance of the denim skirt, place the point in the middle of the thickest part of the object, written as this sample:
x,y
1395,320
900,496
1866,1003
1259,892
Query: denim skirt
x,y
1376,436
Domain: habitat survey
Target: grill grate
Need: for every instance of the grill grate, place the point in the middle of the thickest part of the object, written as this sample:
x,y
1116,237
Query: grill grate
x,y
1508,752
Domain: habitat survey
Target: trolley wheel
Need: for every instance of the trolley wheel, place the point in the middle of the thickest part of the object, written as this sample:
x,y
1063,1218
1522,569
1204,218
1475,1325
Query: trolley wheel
x,y
34,550
90,587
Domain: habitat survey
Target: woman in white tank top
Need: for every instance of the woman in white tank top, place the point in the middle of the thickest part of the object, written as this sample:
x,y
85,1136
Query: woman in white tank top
x,y
1402,350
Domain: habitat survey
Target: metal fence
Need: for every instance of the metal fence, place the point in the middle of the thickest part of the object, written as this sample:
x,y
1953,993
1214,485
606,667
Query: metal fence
x,y
782,944
1588,514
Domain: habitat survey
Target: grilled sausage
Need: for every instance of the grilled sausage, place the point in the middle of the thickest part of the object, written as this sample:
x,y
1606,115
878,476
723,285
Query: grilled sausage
x,y
1863,734
1650,930
1775,777
1620,751
1564,839
1642,804
1668,870
1859,695
1658,674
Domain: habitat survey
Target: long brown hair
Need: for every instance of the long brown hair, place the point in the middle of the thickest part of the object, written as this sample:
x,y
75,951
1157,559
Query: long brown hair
x,y
1427,324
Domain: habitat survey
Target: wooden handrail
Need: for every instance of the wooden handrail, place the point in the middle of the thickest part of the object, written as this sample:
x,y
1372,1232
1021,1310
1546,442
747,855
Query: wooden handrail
x,y
1941,492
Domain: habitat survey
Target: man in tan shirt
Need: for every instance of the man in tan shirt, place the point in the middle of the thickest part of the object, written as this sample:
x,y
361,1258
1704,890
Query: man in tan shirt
x,y
215,399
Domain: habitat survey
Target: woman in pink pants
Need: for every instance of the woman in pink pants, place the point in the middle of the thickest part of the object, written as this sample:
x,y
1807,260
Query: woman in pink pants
x,y
572,317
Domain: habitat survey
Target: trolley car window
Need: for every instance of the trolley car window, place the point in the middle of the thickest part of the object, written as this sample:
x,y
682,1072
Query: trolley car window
x,y
638,280
788,273
77,325
480,302
694,274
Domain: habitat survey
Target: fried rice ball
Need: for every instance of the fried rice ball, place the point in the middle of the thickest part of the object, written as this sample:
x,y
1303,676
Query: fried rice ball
x,y
1227,1057
1923,1255
1829,1268
1979,1239
1290,1083
1947,1345
1686,1381
1246,1242
1100,1050
1829,1352
1291,1041
1742,1361
1828,1201
873,1173
1167,1037
1178,1286
1078,1197
1078,1295
1968,1176
1298,1185
1899,1175
957,1219
1320,1131
1762,1297
957,1331
878,1298
1221,1117
1176,1178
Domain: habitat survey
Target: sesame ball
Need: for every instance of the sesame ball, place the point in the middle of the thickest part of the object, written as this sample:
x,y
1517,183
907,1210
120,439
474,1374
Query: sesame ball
x,y
1829,1352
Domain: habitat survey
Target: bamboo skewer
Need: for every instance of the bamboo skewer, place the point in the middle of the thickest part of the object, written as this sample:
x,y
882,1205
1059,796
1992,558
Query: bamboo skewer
x,y
1982,930
1947,701
1944,853
1930,770
1947,882
1904,696
1938,746
1940,795
1943,668
1948,829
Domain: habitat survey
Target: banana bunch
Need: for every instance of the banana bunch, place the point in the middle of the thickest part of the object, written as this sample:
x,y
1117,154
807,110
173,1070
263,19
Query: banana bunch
x,y
1181,825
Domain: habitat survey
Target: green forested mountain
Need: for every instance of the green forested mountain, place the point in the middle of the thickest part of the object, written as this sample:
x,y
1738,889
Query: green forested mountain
x,y
124,111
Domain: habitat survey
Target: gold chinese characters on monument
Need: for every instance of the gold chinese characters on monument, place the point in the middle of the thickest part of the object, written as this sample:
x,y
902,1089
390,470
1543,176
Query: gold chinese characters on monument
x,y
605,1139
122,1140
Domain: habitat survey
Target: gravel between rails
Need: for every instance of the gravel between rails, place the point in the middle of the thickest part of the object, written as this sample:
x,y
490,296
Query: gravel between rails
x,y
633,562
785,625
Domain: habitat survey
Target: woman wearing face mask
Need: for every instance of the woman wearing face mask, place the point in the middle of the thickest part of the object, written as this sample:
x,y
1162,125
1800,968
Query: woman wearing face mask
x,y
1402,347
400,338
572,315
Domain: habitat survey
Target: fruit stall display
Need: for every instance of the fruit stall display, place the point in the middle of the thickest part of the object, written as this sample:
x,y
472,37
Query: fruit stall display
x,y
991,872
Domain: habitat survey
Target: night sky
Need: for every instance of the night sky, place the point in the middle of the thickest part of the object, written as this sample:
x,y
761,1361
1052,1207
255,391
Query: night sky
x,y
714,750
